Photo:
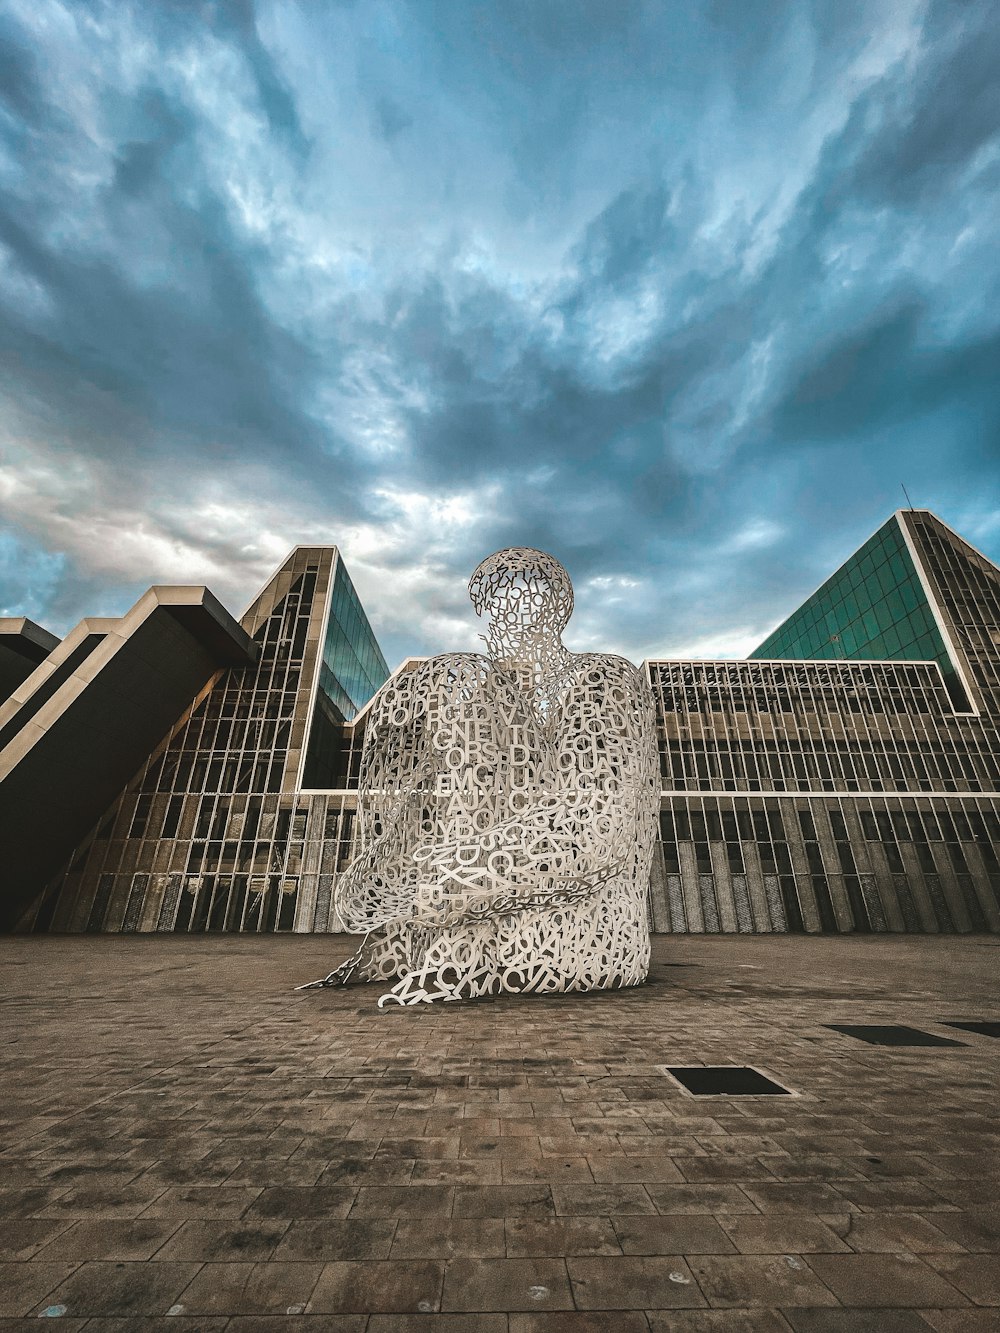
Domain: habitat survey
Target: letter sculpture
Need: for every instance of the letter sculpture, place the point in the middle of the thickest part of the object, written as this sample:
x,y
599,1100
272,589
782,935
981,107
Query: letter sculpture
x,y
506,809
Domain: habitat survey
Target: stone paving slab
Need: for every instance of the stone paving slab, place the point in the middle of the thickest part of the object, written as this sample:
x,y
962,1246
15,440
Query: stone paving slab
x,y
187,1143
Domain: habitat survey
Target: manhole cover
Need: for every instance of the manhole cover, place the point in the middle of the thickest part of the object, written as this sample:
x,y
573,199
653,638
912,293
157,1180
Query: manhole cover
x,y
889,1034
725,1081
980,1027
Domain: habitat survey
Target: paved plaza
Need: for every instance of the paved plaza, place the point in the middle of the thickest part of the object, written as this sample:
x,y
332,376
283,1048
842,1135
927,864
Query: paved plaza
x,y
189,1144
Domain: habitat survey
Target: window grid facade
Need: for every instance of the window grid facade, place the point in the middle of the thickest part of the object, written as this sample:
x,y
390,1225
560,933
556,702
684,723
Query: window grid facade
x,y
966,588
208,836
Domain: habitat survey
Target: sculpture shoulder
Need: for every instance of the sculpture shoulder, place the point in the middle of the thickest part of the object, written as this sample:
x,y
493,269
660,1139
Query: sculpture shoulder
x,y
452,674
455,666
608,670
610,687
407,695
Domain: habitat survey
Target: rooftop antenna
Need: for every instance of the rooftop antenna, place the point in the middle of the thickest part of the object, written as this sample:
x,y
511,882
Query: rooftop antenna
x,y
907,494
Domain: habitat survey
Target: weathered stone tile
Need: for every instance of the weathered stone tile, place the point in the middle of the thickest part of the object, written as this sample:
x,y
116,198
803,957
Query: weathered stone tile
x,y
202,1201
150,1324
293,1201
401,1286
557,1236
104,1238
335,1148
492,1146
268,1323
888,1233
960,1321
601,1200
527,1122
718,1199
894,1280
270,1149
97,1201
250,1288
503,1201
181,1172
569,1144
216,1240
548,1170
801,1198
402,1201
29,1202
962,1193
67,1174
439,1323
887,1165
325,1240
418,1149
449,1238
506,1284
624,1283
454,1172
786,1233
976,1229
23,1285
640,1170
809,1167
356,1171
717,1168
23,1237
265,1175
579,1322
819,1320
123,1289
682,1233
745,1281
977,1275
717,1321
910,1196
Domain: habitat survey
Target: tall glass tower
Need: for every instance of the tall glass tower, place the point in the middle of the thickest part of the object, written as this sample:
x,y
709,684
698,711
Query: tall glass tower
x,y
900,597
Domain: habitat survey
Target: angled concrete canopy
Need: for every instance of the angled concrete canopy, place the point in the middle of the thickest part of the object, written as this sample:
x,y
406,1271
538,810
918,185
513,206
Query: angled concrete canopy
x,y
23,645
81,724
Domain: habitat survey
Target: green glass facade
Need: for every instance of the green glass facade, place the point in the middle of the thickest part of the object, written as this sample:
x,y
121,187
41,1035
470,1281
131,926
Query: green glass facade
x,y
353,666
873,608
352,669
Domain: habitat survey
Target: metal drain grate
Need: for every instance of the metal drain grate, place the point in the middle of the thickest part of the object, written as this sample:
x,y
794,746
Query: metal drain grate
x,y
889,1034
981,1027
725,1081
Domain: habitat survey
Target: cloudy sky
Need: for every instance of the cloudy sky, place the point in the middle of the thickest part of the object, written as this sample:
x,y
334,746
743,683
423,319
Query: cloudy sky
x,y
678,291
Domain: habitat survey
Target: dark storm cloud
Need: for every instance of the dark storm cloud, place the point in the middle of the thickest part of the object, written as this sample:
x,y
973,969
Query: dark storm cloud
x,y
275,95
678,292
188,368
624,239
890,370
19,83
934,126
184,362
236,22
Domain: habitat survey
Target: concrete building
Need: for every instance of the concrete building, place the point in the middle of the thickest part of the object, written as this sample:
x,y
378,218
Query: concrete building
x,y
178,770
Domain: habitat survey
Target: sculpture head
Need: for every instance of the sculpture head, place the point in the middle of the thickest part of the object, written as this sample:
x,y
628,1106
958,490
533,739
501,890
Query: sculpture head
x,y
527,596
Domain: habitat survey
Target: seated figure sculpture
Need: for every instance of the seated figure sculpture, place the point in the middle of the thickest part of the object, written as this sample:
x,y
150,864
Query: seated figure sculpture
x,y
506,809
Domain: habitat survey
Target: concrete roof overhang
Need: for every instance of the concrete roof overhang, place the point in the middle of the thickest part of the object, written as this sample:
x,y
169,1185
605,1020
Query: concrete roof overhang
x,y
23,645
79,727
